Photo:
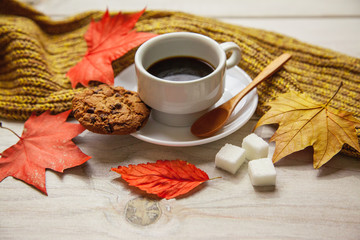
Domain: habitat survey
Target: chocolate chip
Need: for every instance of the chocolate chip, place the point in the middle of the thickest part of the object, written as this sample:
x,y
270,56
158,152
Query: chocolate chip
x,y
103,116
109,128
90,110
118,106
117,95
92,119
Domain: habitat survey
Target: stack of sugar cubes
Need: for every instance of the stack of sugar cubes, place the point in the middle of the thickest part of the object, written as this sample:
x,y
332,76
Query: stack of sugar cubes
x,y
260,168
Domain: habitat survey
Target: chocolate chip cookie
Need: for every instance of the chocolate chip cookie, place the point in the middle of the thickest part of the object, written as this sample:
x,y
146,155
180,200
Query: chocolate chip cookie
x,y
110,110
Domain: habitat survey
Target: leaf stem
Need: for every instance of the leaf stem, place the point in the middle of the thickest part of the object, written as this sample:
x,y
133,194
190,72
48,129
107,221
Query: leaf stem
x,y
1,126
341,84
214,178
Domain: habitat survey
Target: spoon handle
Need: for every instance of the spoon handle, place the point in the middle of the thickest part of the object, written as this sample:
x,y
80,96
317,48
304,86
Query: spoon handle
x,y
265,74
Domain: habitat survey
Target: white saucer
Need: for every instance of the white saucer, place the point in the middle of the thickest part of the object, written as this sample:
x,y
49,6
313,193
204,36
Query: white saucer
x,y
158,133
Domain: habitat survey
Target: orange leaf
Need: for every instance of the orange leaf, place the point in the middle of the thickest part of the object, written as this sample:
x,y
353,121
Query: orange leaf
x,y
107,40
45,143
304,122
167,179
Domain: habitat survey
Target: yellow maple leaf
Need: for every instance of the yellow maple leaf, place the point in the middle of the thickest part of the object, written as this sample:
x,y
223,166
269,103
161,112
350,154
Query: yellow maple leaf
x,y
304,122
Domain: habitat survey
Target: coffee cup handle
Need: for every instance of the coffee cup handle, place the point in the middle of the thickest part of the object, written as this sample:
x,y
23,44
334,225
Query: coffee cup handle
x,y
234,49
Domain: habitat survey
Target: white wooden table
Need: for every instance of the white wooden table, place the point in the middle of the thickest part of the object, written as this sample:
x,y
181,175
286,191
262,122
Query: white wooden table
x,y
90,202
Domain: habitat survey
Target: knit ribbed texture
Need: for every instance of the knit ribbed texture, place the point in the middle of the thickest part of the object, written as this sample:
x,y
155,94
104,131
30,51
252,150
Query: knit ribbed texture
x,y
36,53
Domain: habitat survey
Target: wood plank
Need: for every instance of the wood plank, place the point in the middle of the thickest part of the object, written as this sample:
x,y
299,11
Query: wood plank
x,y
90,202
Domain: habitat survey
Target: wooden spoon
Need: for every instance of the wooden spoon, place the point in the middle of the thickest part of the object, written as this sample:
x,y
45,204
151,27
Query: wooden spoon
x,y
213,121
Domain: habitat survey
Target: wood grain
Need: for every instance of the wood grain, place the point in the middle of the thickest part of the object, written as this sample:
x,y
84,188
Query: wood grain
x,y
90,201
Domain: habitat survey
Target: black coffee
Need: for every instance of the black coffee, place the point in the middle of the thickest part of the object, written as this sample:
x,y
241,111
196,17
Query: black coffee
x,y
181,68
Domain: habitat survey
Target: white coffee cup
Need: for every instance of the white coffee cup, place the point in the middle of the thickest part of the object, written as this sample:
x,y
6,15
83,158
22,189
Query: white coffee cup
x,y
180,103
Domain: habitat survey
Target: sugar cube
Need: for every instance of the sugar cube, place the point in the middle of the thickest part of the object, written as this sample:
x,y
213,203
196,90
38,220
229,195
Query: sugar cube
x,y
255,147
262,172
230,158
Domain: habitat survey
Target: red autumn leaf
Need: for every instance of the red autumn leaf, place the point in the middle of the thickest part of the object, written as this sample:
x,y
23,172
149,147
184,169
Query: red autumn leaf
x,y
107,40
167,179
45,143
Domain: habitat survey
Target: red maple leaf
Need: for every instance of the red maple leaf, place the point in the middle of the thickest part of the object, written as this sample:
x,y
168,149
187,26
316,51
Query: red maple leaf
x,y
107,40
45,143
167,179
